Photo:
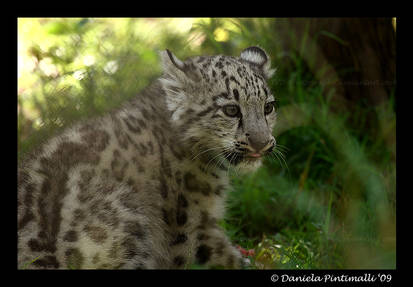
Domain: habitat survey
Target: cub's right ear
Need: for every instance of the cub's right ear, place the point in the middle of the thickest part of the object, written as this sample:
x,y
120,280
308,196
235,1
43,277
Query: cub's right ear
x,y
172,66
173,81
169,59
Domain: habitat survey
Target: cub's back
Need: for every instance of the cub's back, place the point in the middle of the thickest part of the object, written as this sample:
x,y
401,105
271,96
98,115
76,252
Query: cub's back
x,y
85,181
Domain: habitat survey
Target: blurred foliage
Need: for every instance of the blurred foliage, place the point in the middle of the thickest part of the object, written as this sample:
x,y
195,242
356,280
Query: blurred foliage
x,y
328,201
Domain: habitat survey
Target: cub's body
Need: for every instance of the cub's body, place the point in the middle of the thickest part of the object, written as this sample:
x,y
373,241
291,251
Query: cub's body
x,y
144,186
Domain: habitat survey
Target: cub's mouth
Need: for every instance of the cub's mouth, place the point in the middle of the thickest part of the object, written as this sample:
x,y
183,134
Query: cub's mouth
x,y
234,158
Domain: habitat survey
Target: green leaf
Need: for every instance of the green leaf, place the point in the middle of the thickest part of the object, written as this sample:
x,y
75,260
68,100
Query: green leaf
x,y
60,28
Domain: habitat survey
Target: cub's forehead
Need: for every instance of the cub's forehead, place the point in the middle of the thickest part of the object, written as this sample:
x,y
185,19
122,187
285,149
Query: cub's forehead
x,y
221,65
240,79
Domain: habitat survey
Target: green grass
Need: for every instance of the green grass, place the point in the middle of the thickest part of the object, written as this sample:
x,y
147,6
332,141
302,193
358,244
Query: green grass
x,y
27,264
328,203
332,208
333,205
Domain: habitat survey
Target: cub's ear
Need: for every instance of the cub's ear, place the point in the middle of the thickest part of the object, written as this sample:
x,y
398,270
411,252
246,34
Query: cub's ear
x,y
257,56
169,61
172,66
177,70
173,82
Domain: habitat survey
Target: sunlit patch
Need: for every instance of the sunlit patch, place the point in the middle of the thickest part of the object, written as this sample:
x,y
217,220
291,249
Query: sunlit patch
x,y
48,68
111,67
60,51
89,60
221,35
38,123
79,74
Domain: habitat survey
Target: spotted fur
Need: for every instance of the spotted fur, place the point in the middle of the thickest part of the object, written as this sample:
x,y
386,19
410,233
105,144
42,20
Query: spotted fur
x,y
144,187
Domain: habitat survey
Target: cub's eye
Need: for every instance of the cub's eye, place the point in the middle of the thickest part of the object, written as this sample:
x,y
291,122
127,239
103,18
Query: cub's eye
x,y
269,107
231,110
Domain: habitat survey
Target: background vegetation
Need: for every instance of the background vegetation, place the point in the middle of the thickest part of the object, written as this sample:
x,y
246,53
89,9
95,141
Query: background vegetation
x,y
329,202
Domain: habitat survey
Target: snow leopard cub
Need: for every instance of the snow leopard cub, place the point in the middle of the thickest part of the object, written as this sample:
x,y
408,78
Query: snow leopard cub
x,y
144,186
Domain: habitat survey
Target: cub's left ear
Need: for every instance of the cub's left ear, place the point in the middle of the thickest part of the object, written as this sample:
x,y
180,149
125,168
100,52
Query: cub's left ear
x,y
257,56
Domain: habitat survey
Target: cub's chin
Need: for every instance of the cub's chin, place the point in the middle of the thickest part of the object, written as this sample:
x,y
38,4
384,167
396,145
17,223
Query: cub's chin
x,y
246,165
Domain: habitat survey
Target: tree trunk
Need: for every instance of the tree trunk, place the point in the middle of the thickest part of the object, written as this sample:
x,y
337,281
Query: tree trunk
x,y
354,57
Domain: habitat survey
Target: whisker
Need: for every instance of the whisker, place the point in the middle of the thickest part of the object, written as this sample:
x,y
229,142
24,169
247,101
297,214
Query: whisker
x,y
216,163
224,158
221,162
224,150
204,151
282,148
236,168
230,161
280,155
274,156
194,156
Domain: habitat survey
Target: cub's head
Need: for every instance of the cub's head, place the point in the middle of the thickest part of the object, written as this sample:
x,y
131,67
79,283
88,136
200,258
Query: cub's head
x,y
222,106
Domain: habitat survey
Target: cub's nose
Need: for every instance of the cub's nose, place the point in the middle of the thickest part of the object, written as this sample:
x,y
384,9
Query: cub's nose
x,y
260,143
